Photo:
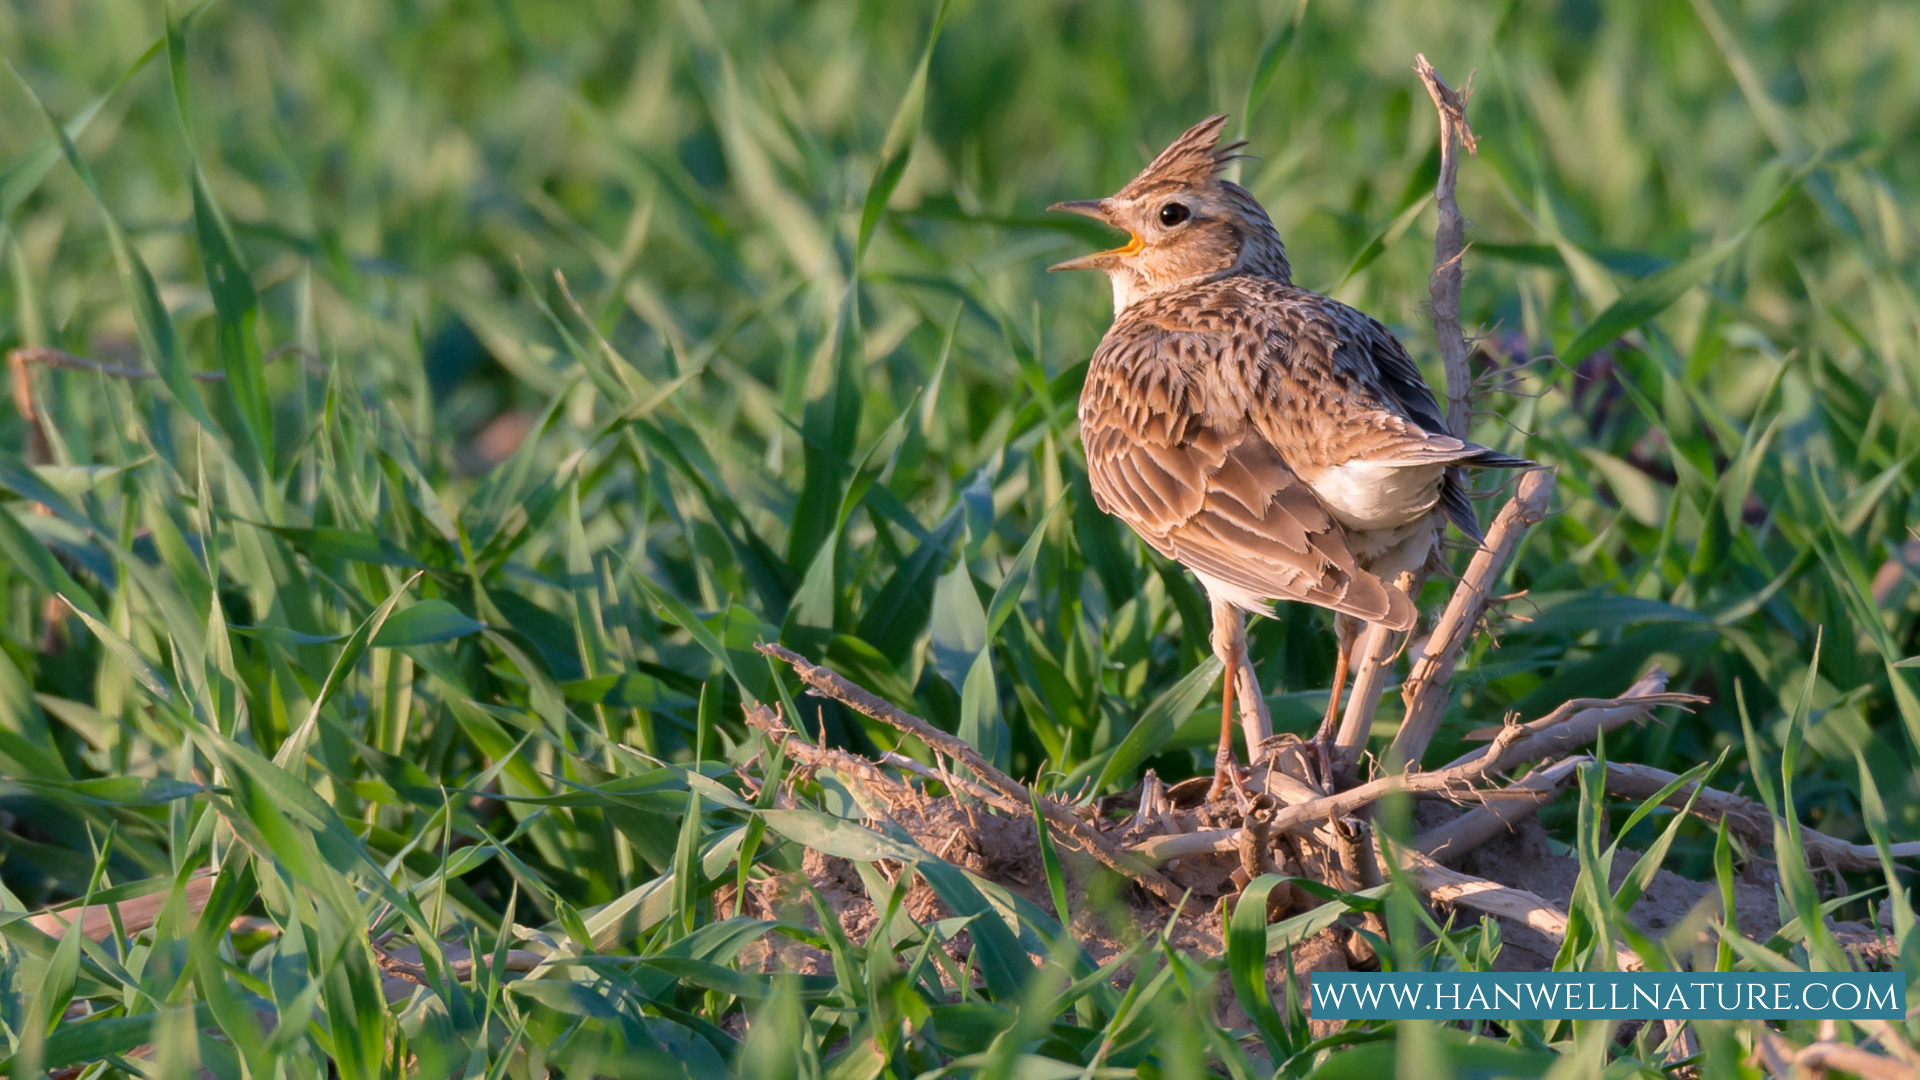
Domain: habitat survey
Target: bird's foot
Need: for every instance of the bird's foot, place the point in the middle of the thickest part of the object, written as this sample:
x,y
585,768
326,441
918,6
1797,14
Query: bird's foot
x,y
1323,751
1227,774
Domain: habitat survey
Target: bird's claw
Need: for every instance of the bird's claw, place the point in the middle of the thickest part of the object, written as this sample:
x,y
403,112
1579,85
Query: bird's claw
x,y
1226,773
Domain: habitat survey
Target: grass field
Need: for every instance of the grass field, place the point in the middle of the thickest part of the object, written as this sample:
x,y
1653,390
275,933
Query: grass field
x,y
556,354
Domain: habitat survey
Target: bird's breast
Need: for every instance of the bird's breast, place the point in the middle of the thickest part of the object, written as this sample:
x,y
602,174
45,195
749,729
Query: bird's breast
x,y
1368,495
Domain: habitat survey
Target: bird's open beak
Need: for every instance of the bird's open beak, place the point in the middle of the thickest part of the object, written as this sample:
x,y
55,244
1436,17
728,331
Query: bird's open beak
x,y
1099,260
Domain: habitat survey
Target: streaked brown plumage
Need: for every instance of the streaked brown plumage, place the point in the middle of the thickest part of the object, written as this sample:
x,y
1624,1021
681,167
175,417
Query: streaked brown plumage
x,y
1279,444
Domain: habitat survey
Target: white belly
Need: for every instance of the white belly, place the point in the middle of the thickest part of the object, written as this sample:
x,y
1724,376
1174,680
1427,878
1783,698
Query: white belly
x,y
1364,495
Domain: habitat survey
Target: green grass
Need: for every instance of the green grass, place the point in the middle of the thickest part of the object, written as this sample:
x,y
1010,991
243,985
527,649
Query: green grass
x,y
772,317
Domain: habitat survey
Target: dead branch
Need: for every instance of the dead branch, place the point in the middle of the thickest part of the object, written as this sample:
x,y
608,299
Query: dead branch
x,y
1444,886
1746,817
137,914
826,683
1680,1041
1782,1060
1463,834
1427,685
1566,708
1516,744
1285,787
459,965
958,783
877,793
1377,648
1449,240
1457,783
1563,730
1574,723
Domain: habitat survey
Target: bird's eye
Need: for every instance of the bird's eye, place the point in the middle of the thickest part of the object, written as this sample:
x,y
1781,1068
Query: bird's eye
x,y
1174,213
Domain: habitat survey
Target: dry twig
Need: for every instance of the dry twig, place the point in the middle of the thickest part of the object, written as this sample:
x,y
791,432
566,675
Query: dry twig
x,y
1746,817
828,684
957,783
1516,744
459,965
1453,840
136,914
1426,688
1449,239
1563,729
1446,886
1377,647
1782,1060
1457,782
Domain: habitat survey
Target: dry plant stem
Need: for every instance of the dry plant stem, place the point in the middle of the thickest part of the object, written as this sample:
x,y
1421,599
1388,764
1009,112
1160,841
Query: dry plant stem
x,y
1516,744
1893,1041
1481,824
1255,723
1746,817
1682,1044
459,968
1562,730
1426,688
1374,651
1782,1060
829,684
927,772
1564,727
874,790
1446,886
137,914
1376,647
1457,782
1449,240
1288,790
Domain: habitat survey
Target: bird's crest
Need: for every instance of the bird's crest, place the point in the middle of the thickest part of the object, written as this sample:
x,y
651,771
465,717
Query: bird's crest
x,y
1191,160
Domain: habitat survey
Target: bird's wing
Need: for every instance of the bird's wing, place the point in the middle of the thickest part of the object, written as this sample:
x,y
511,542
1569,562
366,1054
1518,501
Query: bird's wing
x,y
1212,493
1357,378
1380,408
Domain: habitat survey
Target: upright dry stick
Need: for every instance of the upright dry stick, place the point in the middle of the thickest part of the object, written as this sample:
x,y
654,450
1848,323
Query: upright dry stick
x,y
1427,687
1377,647
1449,240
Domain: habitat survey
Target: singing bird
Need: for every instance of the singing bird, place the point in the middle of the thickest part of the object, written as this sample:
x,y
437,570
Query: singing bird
x,y
1278,444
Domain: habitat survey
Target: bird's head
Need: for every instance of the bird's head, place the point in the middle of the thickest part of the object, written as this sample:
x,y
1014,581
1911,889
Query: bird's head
x,y
1185,221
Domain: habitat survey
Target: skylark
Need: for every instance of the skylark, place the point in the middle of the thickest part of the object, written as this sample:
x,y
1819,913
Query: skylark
x,y
1279,444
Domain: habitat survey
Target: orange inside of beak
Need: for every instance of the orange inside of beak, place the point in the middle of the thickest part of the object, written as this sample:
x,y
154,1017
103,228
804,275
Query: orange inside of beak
x,y
1134,246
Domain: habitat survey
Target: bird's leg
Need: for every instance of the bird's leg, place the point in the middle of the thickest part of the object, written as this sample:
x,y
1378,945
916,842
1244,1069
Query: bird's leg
x,y
1346,631
1229,643
1225,769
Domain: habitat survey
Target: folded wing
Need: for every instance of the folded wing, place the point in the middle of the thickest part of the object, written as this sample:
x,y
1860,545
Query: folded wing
x,y
1222,503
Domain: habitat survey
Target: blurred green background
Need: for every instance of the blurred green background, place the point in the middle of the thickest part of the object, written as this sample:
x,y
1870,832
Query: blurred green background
x,y
573,308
